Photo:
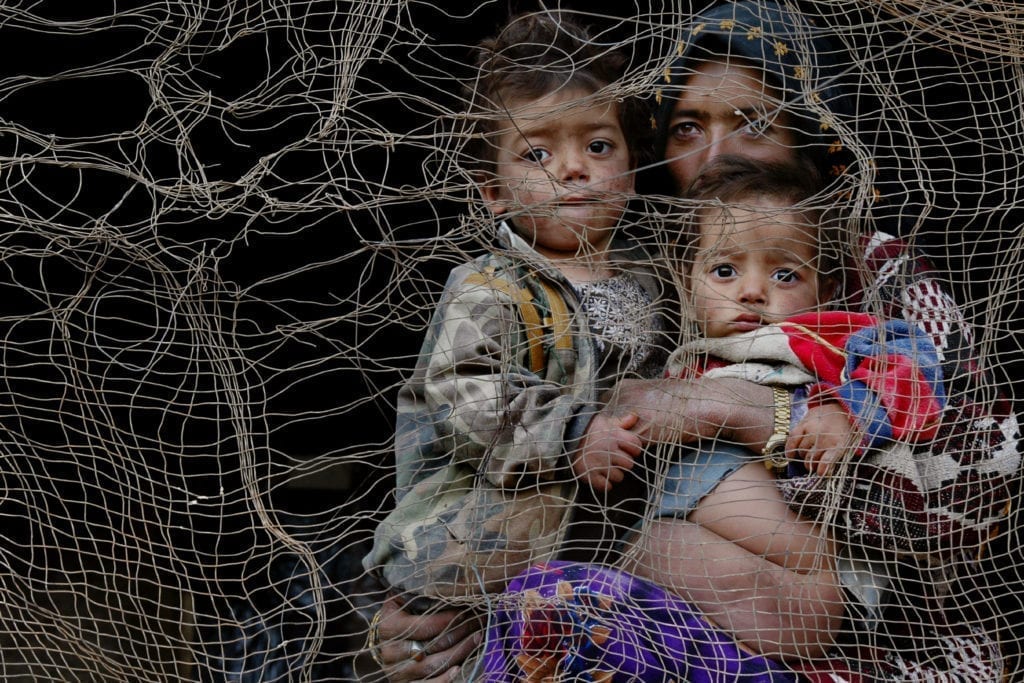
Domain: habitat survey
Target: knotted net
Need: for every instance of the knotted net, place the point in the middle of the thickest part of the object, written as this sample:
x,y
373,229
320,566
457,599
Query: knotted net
x,y
225,227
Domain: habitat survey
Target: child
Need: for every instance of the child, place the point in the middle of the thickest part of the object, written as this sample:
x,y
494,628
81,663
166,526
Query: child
x,y
759,270
527,336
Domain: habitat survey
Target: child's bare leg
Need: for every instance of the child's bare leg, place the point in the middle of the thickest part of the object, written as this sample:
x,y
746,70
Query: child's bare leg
x,y
747,509
751,565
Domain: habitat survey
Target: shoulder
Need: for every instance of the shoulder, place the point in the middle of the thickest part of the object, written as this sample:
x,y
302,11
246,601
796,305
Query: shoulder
x,y
883,251
492,278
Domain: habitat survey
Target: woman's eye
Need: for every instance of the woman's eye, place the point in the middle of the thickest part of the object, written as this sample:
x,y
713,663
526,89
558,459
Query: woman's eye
x,y
785,275
599,147
685,130
537,155
759,127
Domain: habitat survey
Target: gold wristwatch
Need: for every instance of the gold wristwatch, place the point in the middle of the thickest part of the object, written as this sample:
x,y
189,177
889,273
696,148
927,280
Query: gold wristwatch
x,y
775,449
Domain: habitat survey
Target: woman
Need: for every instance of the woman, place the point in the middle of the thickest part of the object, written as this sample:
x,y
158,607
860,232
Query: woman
x,y
744,85
773,99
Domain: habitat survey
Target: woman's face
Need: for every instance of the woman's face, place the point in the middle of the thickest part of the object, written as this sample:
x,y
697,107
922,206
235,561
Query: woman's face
x,y
726,109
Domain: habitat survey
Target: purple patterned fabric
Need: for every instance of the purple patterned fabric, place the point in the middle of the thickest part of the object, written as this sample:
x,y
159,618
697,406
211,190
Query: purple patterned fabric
x,y
580,622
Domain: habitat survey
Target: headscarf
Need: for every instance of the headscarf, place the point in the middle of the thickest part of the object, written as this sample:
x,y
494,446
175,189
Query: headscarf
x,y
798,60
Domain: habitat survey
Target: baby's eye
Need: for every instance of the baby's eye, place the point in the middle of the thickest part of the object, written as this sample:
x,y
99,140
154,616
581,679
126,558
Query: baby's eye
x,y
785,275
723,270
599,147
537,155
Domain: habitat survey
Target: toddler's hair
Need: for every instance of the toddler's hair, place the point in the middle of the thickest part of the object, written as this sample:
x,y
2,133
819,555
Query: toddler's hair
x,y
534,55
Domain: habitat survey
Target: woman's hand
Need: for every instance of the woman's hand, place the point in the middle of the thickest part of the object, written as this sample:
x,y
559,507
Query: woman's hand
x,y
423,647
684,411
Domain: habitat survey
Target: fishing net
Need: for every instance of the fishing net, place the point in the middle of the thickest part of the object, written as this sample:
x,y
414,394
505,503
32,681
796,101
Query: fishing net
x,y
225,229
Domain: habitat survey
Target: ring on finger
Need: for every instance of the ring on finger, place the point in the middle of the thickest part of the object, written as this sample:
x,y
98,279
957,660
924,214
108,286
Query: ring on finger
x,y
417,651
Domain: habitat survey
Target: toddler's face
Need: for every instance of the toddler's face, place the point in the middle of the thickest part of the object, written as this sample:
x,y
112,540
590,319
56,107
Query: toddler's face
x,y
563,172
753,266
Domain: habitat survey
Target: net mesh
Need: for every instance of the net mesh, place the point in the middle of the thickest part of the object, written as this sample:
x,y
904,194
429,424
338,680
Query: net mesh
x,y
225,231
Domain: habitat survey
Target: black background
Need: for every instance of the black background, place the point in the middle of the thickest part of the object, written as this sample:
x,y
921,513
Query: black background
x,y
274,266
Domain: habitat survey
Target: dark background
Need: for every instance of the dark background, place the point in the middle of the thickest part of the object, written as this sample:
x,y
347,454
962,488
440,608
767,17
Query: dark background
x,y
302,280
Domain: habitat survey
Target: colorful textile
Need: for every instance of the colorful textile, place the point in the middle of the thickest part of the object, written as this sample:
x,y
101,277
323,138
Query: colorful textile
x,y
888,374
580,622
950,494
885,374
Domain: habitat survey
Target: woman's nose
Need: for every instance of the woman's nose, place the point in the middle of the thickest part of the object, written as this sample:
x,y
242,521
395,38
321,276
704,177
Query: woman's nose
x,y
717,144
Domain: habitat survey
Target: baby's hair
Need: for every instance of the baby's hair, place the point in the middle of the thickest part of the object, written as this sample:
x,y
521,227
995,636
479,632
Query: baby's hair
x,y
534,55
729,178
740,181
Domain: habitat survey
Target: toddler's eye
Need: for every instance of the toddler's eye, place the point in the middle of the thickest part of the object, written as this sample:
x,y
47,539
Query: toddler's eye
x,y
599,147
785,275
723,270
537,155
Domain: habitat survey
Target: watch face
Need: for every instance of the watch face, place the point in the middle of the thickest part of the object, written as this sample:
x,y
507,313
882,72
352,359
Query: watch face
x,y
776,442
775,452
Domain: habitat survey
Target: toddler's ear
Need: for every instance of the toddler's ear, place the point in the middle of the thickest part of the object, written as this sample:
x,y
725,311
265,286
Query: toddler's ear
x,y
491,194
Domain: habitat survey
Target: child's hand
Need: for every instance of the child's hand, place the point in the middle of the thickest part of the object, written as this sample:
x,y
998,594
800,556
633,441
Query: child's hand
x,y
607,450
824,435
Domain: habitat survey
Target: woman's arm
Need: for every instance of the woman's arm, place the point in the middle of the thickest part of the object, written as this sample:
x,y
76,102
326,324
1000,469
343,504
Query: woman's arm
x,y
774,610
789,608
685,411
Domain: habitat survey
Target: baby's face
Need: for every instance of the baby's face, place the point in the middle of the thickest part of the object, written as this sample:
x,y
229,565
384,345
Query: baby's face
x,y
753,266
563,172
